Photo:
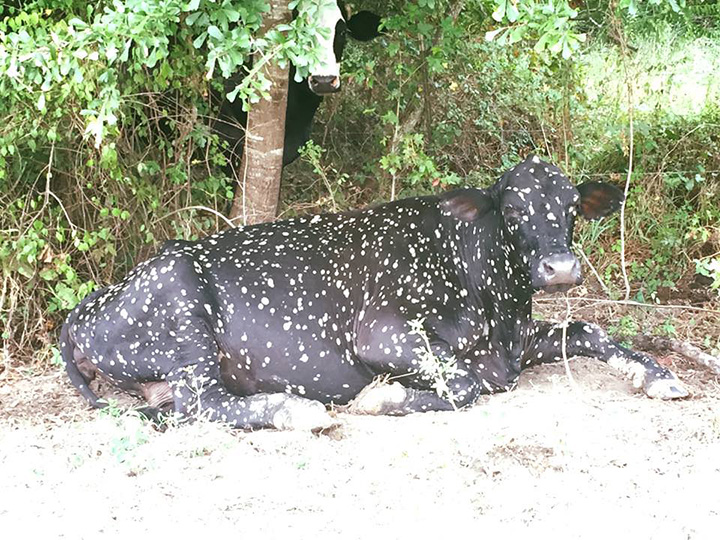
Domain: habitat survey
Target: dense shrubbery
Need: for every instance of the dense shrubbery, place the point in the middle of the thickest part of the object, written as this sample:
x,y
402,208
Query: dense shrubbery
x,y
104,147
487,105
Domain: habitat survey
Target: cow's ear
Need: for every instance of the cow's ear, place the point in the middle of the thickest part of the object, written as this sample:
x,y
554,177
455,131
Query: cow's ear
x,y
364,25
598,199
467,204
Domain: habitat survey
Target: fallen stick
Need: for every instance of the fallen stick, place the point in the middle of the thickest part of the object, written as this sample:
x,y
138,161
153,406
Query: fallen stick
x,y
681,347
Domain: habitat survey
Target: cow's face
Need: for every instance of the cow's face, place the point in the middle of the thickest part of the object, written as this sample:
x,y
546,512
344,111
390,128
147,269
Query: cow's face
x,y
362,26
539,206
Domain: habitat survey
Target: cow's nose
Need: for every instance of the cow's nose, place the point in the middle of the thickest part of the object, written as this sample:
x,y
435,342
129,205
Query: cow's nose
x,y
324,84
560,269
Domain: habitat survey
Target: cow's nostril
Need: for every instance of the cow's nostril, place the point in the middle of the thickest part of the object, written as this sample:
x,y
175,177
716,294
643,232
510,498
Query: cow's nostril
x,y
562,268
324,84
547,269
323,79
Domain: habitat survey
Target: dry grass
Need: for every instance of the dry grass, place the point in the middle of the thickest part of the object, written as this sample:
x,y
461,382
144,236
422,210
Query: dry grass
x,y
604,461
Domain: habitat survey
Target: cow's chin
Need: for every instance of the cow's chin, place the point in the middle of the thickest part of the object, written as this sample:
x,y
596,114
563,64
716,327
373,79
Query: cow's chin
x,y
325,91
561,287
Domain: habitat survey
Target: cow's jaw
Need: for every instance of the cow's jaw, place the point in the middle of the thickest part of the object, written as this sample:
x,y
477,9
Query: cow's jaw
x,y
550,289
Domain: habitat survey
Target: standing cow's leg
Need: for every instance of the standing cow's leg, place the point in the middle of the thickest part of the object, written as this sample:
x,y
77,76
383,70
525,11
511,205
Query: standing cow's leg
x,y
585,339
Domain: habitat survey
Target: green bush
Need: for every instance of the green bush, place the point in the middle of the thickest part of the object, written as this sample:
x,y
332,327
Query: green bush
x,y
105,148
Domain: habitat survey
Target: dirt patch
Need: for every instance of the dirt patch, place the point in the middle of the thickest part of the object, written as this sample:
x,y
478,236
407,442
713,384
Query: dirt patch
x,y
545,458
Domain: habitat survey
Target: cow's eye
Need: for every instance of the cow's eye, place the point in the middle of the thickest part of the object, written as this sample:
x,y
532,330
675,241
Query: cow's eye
x,y
512,212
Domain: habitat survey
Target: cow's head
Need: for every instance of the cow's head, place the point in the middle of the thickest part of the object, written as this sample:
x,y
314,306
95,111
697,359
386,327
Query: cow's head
x,y
337,25
538,205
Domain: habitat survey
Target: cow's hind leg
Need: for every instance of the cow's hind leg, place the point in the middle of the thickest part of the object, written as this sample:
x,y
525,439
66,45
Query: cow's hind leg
x,y
199,392
585,339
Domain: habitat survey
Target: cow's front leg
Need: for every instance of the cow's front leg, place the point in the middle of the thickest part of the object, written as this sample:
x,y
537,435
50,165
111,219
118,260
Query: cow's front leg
x,y
585,339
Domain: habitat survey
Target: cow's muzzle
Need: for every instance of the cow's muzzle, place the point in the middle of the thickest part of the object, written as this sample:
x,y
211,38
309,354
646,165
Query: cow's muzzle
x,y
324,84
557,273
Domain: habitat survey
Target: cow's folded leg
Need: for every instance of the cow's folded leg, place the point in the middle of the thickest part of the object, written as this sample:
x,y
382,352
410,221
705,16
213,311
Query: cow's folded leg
x,y
429,379
396,399
198,392
585,339
156,415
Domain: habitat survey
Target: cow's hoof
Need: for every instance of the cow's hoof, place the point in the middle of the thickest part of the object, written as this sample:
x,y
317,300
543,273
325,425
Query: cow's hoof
x,y
379,398
302,414
661,388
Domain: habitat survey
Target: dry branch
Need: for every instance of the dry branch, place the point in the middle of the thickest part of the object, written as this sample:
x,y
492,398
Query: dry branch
x,y
682,348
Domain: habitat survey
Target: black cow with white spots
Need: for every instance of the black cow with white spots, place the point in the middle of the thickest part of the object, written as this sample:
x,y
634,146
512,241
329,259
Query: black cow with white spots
x,y
262,325
304,96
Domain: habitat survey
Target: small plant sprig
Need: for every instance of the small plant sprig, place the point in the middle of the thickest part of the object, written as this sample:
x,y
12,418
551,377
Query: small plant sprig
x,y
710,267
431,367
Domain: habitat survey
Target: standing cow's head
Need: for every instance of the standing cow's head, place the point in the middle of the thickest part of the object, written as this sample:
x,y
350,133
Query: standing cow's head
x,y
537,206
336,23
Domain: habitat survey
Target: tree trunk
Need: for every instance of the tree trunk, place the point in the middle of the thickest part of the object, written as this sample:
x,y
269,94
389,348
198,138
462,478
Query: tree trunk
x,y
258,179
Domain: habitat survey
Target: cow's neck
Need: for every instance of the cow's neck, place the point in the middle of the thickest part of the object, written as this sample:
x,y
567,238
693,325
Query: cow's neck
x,y
486,265
498,286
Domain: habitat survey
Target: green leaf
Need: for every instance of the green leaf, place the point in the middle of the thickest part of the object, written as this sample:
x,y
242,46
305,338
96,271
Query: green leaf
x,y
499,13
48,274
566,50
232,15
489,36
25,271
511,12
215,32
190,19
198,42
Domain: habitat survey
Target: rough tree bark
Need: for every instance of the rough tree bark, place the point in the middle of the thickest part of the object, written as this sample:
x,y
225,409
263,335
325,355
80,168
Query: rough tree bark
x,y
258,179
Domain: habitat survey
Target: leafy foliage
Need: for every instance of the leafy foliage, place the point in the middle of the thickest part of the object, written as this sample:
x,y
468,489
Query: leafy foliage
x,y
104,132
106,145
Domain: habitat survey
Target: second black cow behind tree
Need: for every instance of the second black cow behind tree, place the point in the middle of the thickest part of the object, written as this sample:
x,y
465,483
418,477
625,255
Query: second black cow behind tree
x,y
261,326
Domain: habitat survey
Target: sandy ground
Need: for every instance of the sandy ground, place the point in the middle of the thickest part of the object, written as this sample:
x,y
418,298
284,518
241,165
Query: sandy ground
x,y
602,461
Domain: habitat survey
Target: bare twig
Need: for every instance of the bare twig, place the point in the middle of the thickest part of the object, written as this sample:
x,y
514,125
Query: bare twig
x,y
630,303
620,34
594,271
205,208
48,174
67,216
677,143
545,139
683,348
565,324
